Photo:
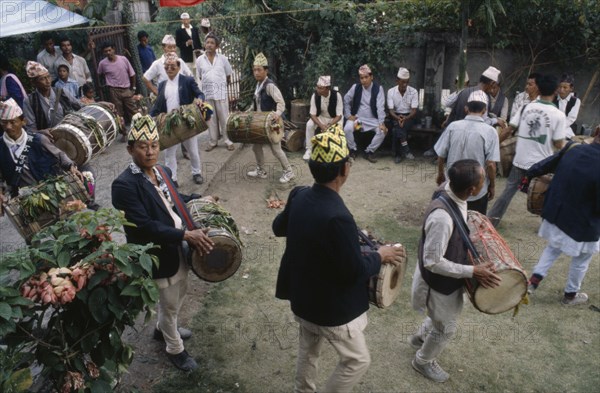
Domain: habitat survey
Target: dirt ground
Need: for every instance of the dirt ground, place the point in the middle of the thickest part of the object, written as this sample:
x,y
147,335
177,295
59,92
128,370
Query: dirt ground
x,y
245,340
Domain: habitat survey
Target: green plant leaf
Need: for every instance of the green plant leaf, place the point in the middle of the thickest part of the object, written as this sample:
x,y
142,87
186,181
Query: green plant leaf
x,y
146,262
100,386
18,381
131,290
5,311
97,278
63,259
98,305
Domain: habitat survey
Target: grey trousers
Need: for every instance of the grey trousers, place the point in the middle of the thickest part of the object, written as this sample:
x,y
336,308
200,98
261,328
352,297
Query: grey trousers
x,y
512,184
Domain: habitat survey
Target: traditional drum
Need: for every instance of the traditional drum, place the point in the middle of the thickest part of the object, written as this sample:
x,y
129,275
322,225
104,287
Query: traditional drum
x,y
226,255
384,288
300,111
179,124
491,247
293,139
583,139
536,193
254,127
28,221
84,134
508,147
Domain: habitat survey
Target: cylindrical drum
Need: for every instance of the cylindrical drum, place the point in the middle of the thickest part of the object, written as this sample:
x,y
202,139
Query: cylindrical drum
x,y
180,124
491,247
30,220
508,147
226,256
254,127
84,134
536,193
300,112
293,139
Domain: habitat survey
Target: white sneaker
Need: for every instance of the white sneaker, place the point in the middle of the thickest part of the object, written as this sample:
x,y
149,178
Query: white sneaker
x,y
287,176
258,172
431,370
410,156
306,155
580,298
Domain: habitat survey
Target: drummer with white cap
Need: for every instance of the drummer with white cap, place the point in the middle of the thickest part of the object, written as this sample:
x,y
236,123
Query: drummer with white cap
x,y
326,109
402,101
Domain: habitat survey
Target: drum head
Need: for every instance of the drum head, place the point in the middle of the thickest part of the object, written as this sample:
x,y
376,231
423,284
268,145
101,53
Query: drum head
x,y
275,130
503,297
385,287
222,262
73,142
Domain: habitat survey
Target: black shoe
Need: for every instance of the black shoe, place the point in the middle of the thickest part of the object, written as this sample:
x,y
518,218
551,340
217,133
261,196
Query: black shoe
x,y
93,206
183,333
183,361
397,159
353,154
369,157
175,184
198,179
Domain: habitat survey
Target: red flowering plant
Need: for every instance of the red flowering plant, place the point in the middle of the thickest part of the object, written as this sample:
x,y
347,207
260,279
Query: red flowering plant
x,y
66,300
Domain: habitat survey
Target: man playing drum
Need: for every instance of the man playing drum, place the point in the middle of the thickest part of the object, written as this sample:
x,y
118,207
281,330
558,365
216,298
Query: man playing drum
x,y
438,281
26,159
267,98
571,216
471,138
541,129
323,273
326,109
178,90
151,203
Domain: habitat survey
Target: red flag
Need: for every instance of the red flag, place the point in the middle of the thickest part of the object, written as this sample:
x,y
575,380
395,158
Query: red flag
x,y
179,3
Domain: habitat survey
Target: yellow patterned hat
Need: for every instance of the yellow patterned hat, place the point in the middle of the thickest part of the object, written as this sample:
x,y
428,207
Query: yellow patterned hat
x,y
329,146
143,128
261,60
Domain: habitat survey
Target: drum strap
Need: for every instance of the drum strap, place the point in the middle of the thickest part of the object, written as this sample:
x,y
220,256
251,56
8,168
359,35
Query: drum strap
x,y
180,206
21,162
463,230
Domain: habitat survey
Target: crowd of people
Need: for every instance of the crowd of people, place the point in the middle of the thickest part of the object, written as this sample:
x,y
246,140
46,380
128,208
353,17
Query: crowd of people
x,y
325,283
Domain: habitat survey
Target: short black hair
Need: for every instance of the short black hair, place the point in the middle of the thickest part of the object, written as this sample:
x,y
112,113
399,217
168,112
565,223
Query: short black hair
x,y
58,67
567,78
141,34
476,106
485,80
324,172
108,44
547,84
214,37
464,174
63,39
534,75
45,36
89,86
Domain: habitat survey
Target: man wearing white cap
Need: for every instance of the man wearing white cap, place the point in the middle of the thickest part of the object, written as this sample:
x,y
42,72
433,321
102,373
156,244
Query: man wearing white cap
x,y
214,70
471,138
364,109
488,79
156,72
541,128
205,27
402,101
187,39
26,159
326,109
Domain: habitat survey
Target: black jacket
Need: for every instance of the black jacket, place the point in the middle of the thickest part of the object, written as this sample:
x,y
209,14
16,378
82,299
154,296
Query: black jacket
x,y
187,52
188,90
142,205
322,272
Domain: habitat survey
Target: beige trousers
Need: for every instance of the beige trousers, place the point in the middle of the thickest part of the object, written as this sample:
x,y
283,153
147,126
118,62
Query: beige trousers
x,y
277,152
169,304
348,341
218,123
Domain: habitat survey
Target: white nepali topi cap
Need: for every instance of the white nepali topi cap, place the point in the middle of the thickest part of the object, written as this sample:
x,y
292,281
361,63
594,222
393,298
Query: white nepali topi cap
x,y
9,110
324,81
204,22
492,73
478,95
169,40
403,73
185,15
364,70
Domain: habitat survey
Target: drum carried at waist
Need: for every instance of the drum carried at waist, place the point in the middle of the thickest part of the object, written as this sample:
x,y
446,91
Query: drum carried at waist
x,y
384,287
84,134
226,256
255,127
30,215
180,124
491,247
536,193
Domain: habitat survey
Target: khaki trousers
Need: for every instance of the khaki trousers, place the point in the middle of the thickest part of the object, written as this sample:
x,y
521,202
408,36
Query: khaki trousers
x,y
124,103
277,152
169,304
218,123
349,343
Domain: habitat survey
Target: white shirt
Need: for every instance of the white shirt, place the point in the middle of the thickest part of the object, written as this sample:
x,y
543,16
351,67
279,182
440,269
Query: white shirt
x,y
172,93
79,70
47,60
402,104
572,115
521,100
213,76
539,124
157,70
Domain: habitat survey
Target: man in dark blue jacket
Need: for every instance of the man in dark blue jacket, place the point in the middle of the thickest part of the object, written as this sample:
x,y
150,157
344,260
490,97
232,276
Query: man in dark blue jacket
x,y
323,273
571,215
176,91
148,202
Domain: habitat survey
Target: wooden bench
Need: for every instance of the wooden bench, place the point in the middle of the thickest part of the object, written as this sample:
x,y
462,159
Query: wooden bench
x,y
431,133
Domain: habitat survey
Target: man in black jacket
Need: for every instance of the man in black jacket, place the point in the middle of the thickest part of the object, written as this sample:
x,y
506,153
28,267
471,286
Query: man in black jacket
x,y
571,215
323,272
149,203
188,40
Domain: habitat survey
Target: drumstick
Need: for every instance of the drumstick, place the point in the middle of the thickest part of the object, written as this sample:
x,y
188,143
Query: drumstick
x,y
366,239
